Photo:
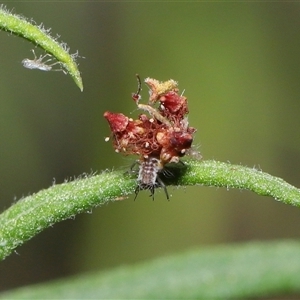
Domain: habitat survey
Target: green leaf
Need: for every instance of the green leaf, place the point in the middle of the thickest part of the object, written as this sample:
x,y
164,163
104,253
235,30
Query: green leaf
x,y
41,37
224,272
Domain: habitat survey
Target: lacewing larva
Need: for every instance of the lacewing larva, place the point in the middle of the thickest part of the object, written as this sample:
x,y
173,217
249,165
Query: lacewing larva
x,y
160,137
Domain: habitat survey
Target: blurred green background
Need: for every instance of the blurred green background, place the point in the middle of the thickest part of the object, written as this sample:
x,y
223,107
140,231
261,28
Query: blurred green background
x,y
239,64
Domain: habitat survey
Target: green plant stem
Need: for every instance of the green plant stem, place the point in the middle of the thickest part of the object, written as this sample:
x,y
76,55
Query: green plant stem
x,y
30,215
41,37
220,174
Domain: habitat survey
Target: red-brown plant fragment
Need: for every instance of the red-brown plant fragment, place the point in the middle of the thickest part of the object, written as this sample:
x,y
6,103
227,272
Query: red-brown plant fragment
x,y
165,134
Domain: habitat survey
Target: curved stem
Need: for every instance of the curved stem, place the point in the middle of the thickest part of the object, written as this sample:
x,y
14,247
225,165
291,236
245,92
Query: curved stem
x,y
220,174
32,214
41,37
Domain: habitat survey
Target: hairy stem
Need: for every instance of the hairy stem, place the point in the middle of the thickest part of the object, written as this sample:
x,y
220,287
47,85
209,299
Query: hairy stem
x,y
32,214
220,174
41,37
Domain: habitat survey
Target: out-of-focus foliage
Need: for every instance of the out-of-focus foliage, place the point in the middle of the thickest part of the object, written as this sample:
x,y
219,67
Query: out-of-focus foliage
x,y
227,272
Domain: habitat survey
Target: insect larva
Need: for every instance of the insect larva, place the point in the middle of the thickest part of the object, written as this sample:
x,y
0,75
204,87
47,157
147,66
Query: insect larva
x,y
38,63
149,176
